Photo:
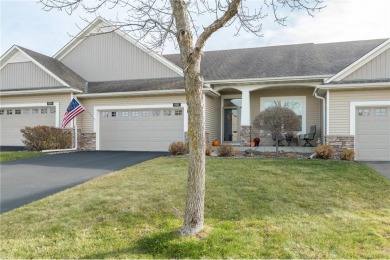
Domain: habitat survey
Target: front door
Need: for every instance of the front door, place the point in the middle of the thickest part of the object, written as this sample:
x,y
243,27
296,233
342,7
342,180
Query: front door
x,y
231,127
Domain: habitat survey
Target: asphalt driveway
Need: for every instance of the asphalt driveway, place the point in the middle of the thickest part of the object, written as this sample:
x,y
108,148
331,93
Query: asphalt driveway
x,y
382,167
24,181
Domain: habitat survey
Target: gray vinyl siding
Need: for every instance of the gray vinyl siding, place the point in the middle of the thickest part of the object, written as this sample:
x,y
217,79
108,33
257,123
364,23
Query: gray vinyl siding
x,y
313,106
213,117
339,106
109,56
86,119
377,68
25,75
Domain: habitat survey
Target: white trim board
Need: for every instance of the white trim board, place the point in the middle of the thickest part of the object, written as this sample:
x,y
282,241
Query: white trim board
x,y
55,104
352,111
97,109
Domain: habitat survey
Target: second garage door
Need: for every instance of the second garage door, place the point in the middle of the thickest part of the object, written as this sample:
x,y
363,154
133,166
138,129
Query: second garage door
x,y
140,130
373,134
14,119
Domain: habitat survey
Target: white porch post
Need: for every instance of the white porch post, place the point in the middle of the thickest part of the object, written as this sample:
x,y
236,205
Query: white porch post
x,y
245,129
245,108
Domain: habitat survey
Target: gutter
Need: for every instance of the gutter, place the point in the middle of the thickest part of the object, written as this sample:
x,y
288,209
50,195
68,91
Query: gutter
x,y
315,94
42,91
258,80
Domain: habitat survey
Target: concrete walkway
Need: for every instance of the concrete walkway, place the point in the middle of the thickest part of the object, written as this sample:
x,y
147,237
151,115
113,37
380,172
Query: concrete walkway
x,y
382,167
24,181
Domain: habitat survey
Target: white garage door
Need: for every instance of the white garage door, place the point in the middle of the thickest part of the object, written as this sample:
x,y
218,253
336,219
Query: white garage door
x,y
140,130
14,119
373,134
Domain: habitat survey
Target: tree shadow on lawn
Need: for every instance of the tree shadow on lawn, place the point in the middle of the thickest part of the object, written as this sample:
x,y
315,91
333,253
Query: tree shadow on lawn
x,y
167,244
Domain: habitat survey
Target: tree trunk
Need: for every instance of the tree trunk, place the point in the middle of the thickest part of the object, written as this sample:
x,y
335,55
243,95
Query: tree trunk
x,y
194,212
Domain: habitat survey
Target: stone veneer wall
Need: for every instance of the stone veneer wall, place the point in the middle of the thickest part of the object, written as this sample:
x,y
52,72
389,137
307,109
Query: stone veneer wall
x,y
245,135
340,143
86,141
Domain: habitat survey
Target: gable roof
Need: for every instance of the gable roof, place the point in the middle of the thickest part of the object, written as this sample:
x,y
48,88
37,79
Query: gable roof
x,y
100,25
281,61
360,62
53,67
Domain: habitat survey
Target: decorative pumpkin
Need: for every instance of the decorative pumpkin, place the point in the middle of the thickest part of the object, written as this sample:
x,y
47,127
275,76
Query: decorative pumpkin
x,y
252,143
216,142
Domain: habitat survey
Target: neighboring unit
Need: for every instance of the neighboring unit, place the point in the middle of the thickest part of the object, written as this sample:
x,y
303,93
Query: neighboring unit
x,y
135,98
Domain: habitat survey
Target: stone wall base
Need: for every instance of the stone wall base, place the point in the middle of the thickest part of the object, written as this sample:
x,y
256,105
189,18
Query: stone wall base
x,y
87,141
341,143
245,135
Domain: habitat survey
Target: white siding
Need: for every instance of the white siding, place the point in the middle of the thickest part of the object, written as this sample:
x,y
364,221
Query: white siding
x,y
25,75
86,120
339,106
378,68
107,57
213,117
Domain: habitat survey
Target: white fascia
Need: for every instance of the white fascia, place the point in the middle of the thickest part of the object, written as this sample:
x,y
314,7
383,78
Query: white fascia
x,y
97,109
261,80
55,104
360,62
352,111
38,91
355,85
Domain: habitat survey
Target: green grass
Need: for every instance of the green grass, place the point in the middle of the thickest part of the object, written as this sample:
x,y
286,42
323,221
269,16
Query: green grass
x,y
17,155
255,208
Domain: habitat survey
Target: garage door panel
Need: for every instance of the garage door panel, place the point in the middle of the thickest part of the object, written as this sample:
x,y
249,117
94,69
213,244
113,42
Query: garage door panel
x,y
10,124
141,130
373,134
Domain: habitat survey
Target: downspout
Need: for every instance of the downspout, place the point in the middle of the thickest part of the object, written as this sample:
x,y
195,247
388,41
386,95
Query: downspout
x,y
315,94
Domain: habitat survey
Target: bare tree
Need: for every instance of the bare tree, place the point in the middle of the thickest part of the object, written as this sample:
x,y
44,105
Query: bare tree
x,y
277,120
155,22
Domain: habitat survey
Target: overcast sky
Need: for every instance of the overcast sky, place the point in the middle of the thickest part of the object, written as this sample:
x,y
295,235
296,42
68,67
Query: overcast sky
x,y
25,23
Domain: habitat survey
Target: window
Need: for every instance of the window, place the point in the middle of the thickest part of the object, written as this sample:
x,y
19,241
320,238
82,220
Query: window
x,y
26,111
2,112
178,112
9,111
52,110
145,113
134,113
104,114
364,112
35,111
295,103
156,113
167,112
125,113
43,110
114,114
18,112
380,111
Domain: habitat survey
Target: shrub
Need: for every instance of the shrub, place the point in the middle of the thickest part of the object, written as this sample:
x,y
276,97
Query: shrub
x,y
178,148
324,152
225,150
209,150
41,137
348,155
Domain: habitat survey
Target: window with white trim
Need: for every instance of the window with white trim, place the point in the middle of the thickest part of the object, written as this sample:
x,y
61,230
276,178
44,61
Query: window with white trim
x,y
52,110
18,112
380,111
134,113
114,114
1,112
43,110
156,113
178,112
145,113
167,112
295,103
364,112
26,111
35,111
125,113
104,114
9,111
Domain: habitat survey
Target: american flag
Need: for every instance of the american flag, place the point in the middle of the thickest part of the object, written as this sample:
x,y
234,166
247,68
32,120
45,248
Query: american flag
x,y
72,111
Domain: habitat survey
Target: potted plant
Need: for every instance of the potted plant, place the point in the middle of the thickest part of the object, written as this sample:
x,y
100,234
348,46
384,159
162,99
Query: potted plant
x,y
256,140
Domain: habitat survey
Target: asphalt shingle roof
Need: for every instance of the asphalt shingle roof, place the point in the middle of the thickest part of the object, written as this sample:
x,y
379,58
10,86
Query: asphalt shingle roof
x,y
57,68
136,85
281,61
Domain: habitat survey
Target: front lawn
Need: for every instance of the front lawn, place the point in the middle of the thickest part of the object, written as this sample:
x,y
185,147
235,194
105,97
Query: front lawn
x,y
255,208
17,155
